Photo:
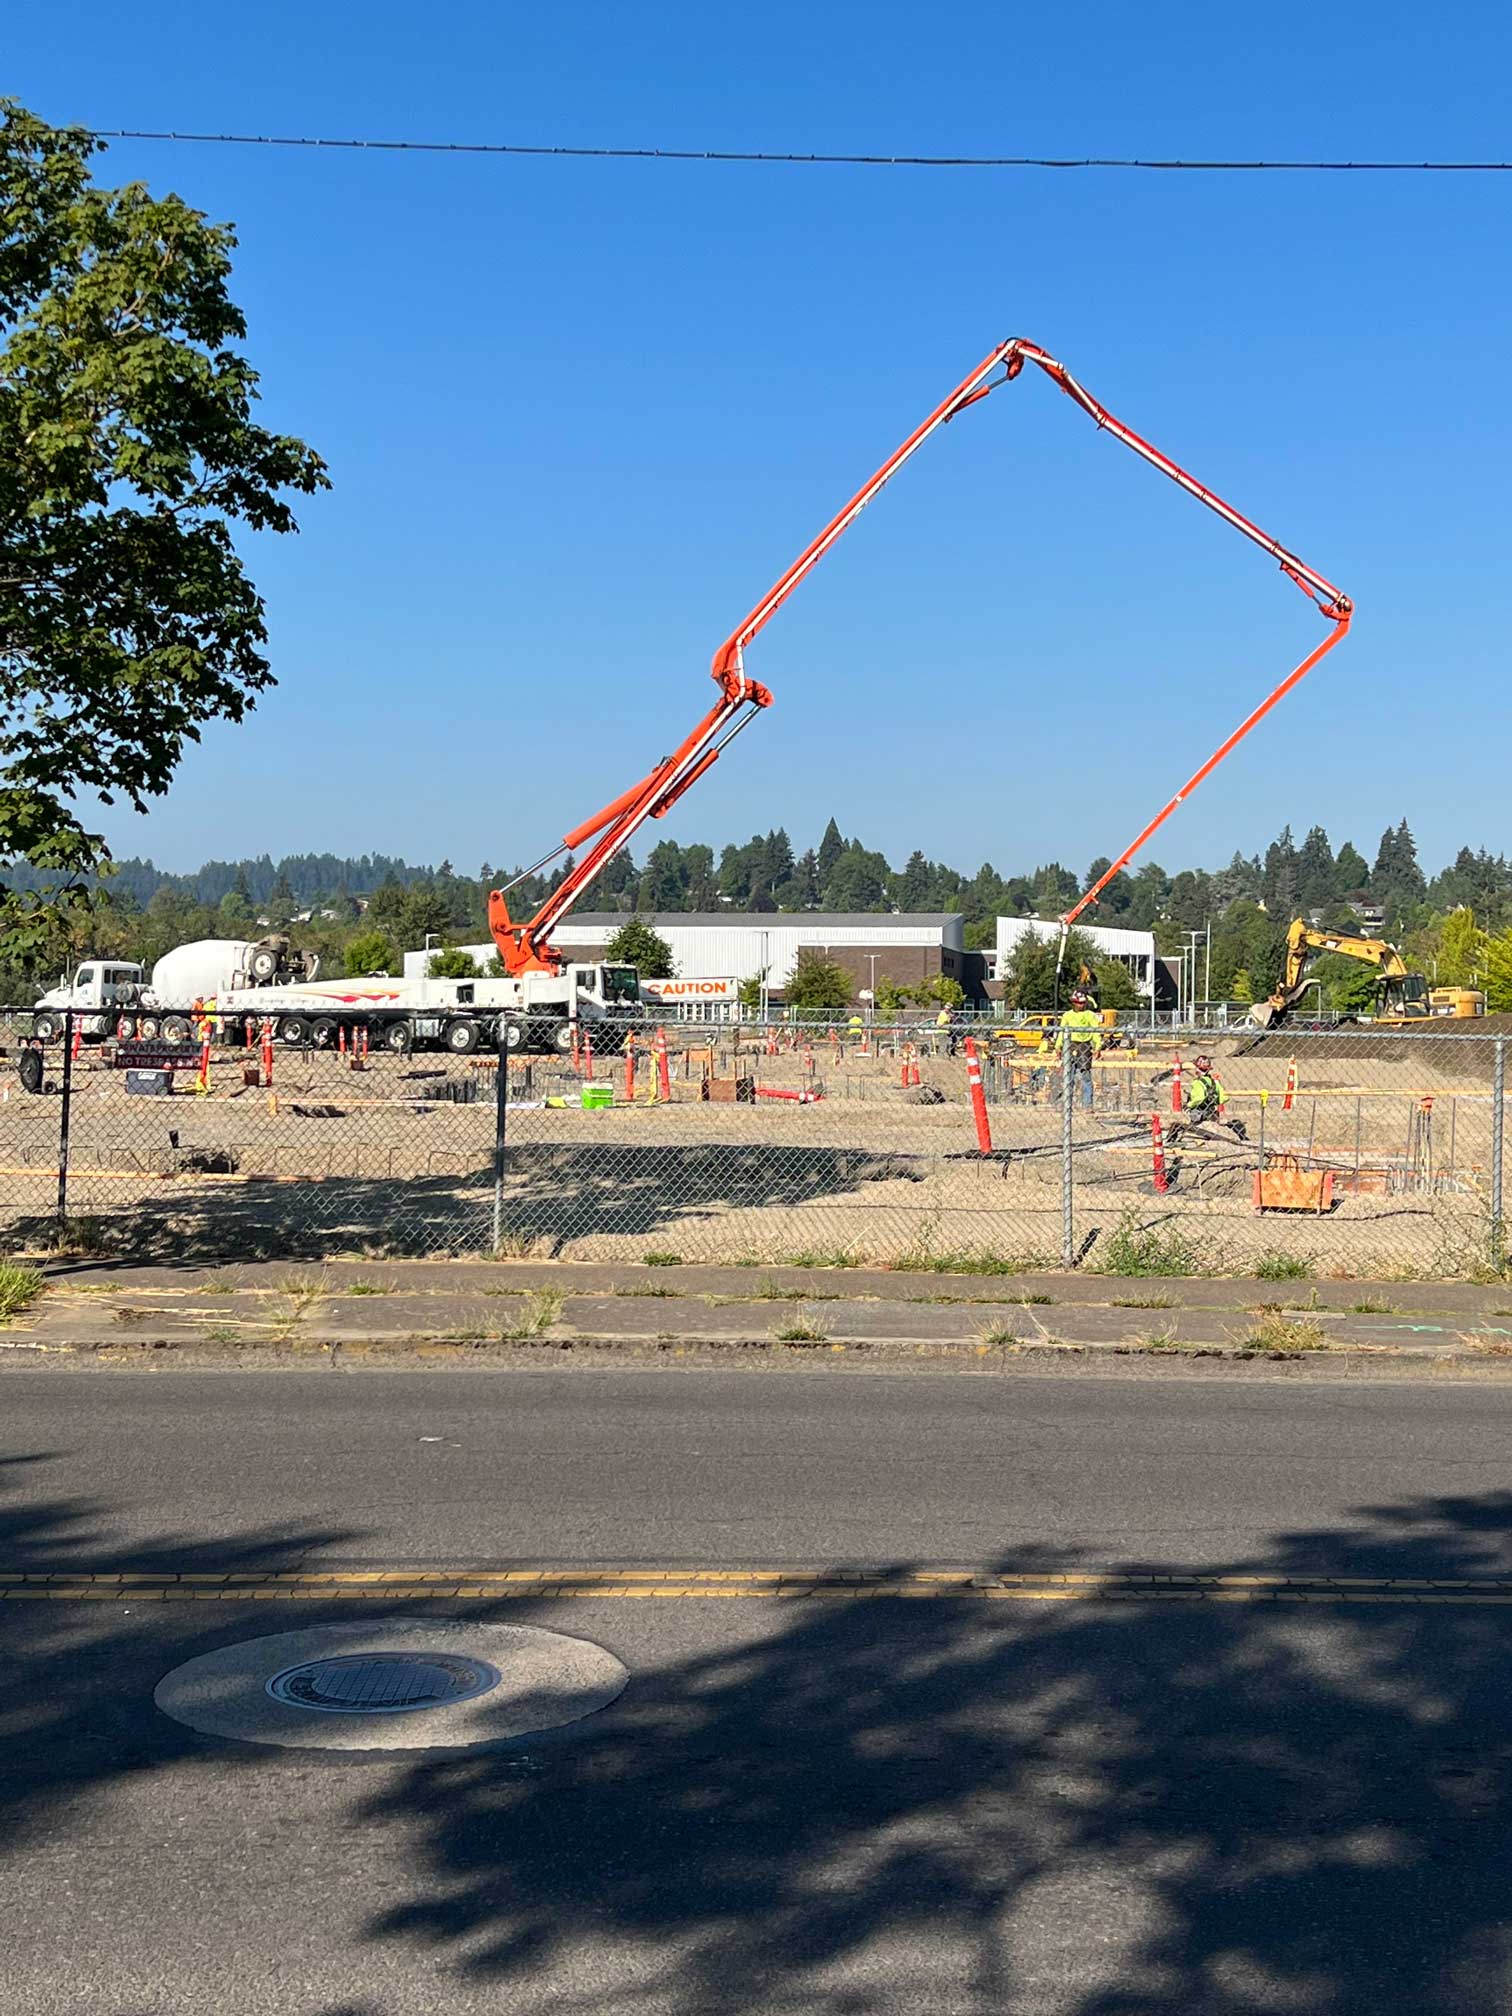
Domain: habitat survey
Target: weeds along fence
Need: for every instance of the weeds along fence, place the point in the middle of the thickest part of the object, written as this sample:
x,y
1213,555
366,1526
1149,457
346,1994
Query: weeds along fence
x,y
1367,1153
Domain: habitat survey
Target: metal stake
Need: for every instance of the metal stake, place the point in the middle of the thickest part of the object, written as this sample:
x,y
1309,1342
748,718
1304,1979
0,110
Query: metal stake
x,y
63,1117
501,1129
1068,1079
1498,1096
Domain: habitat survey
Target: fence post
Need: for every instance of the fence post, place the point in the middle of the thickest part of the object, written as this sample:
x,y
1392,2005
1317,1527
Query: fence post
x,y
1498,1099
63,1116
1068,1082
501,1129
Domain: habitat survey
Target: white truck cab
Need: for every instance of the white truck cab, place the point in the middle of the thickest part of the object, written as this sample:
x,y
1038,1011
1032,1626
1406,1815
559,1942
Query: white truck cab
x,y
101,988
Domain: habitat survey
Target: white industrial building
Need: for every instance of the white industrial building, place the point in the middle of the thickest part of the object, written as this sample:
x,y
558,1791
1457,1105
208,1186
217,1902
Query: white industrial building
x,y
714,952
1133,949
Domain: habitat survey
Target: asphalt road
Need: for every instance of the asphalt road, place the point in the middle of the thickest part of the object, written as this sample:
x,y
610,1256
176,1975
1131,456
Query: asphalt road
x,y
1085,1807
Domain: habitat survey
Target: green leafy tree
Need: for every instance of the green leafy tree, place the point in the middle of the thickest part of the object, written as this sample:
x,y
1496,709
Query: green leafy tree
x,y
636,944
128,452
1499,973
818,986
942,991
452,963
370,952
891,999
1462,950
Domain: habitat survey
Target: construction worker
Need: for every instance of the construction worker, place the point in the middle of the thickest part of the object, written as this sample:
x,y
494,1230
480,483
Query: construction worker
x,y
1204,1095
855,1028
1081,1027
945,1030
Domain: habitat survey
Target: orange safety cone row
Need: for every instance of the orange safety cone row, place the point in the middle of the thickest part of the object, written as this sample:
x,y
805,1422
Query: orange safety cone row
x,y
1176,1084
1157,1153
202,1082
587,1054
1291,1084
267,1056
78,1042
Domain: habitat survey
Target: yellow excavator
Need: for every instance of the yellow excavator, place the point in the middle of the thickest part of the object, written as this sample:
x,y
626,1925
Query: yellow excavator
x,y
1401,995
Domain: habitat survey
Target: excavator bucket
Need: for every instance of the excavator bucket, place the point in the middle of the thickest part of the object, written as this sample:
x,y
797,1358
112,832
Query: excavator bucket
x,y
1262,1014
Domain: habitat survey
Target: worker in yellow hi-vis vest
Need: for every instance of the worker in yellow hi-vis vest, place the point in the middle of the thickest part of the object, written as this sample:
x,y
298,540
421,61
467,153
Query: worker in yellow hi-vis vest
x,y
1081,1027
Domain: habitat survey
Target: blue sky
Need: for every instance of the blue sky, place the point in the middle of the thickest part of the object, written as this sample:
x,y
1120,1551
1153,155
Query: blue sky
x,y
579,415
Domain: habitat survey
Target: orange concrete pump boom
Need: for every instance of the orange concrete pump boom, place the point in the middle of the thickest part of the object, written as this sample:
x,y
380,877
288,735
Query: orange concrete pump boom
x,y
526,947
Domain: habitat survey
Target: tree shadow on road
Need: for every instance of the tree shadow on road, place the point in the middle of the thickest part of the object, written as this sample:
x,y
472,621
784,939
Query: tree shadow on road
x,y
1094,1807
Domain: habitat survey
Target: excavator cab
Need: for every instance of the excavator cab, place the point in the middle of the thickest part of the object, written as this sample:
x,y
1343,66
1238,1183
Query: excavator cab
x,y
1402,997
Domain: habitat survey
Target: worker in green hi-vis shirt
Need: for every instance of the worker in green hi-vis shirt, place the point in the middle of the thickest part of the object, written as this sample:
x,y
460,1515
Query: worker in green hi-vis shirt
x,y
1081,1027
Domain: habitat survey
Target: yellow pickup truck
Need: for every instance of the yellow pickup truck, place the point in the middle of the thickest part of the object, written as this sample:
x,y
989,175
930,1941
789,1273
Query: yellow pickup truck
x,y
1037,1031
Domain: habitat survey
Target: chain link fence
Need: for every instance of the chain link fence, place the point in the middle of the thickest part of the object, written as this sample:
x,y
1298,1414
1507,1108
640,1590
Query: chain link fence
x,y
1353,1152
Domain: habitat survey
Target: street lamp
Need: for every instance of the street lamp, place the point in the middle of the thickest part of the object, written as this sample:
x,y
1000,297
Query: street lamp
x,y
871,983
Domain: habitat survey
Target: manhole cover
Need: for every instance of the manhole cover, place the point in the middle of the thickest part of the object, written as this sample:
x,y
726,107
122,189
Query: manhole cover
x,y
366,1685
393,1684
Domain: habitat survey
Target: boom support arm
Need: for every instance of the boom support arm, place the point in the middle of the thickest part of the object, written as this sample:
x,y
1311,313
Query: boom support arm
x,y
526,947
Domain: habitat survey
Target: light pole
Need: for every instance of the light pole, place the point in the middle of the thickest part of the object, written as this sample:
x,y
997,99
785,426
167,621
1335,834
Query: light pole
x,y
871,983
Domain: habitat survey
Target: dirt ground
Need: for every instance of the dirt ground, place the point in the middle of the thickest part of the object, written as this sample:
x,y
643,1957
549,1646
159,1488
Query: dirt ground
x,y
398,1157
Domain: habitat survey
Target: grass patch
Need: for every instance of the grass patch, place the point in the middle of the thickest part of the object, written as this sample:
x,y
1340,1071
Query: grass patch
x,y
1275,1266
1142,1302
998,1335
649,1288
1275,1332
1136,1249
522,1246
965,1260
1156,1340
801,1331
1370,1308
222,1333
83,1238
19,1288
662,1260
303,1292
539,1309
216,1286
369,1288
826,1256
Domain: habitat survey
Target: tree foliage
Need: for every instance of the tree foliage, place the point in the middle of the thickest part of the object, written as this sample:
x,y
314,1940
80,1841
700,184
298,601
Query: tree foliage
x,y
818,986
128,452
636,944
370,952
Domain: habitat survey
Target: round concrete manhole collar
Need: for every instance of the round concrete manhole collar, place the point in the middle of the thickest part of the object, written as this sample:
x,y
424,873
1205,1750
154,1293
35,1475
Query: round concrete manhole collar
x,y
393,1686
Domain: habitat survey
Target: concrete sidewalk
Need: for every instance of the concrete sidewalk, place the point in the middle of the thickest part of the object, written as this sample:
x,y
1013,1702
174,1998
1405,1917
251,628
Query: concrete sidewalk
x,y
109,1311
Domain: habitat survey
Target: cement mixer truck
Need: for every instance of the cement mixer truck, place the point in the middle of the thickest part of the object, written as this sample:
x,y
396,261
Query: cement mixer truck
x,y
242,984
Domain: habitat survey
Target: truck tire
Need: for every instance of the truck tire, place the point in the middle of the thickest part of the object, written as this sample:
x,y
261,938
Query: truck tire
x,y
294,1031
513,1032
149,1028
323,1033
460,1037
175,1028
397,1038
29,1067
263,964
561,1037
47,1028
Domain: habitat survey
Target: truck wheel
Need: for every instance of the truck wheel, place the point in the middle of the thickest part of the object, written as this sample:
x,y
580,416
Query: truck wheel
x,y
263,964
323,1033
29,1067
293,1030
47,1028
175,1029
396,1037
514,1034
461,1037
561,1038
149,1028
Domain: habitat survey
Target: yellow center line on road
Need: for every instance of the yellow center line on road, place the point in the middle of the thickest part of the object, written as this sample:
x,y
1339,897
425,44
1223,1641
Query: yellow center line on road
x,y
547,1584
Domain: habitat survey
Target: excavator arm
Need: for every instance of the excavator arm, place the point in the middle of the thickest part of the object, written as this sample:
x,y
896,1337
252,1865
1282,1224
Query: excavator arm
x,y
526,947
1302,944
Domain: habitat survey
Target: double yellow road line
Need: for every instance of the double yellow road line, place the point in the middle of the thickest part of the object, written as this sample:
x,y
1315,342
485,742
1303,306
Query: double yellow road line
x,y
551,1584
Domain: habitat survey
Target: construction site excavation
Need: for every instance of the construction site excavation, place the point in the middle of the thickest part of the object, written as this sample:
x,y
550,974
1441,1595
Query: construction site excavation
x,y
1353,1153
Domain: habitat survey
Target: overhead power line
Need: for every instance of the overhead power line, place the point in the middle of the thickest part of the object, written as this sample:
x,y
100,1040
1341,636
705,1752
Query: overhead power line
x,y
764,159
